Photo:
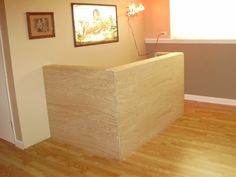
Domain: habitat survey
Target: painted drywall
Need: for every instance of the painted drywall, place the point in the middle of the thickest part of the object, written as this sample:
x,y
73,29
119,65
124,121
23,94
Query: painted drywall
x,y
157,18
209,68
8,65
28,56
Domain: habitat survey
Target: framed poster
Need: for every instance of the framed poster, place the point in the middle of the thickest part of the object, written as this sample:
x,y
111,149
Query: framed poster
x,y
40,25
94,24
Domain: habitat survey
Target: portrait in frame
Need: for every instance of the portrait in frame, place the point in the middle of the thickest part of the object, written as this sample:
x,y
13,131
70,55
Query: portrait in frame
x,y
40,25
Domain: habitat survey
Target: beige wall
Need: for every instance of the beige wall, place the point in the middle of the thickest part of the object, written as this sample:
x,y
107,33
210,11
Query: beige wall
x,y
28,56
209,68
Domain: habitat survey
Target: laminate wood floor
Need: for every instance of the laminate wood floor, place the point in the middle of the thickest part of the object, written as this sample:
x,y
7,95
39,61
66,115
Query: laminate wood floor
x,y
202,143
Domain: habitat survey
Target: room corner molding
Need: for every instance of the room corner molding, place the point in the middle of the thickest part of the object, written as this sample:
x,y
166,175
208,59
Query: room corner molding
x,y
214,100
19,144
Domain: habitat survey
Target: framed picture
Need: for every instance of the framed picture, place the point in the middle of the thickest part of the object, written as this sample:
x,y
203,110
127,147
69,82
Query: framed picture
x,y
94,24
40,25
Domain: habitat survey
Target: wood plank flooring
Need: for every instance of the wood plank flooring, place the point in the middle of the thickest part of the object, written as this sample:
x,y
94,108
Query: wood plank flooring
x,y
202,143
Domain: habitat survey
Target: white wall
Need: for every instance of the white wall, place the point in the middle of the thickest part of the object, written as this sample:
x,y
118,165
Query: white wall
x,y
6,131
28,56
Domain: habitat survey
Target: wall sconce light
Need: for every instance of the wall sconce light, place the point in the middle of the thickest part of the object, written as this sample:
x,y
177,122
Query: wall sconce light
x,y
134,9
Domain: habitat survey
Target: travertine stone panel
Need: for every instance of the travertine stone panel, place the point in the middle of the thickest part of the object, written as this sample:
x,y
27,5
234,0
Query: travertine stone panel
x,y
111,112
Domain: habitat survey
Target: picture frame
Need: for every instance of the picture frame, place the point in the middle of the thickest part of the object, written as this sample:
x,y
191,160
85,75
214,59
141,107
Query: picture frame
x,y
40,25
94,24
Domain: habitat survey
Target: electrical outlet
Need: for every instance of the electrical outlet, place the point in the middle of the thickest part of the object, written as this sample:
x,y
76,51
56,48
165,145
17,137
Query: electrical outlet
x,y
164,33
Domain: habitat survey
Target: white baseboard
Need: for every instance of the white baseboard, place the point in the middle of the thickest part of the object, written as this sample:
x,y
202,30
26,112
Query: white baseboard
x,y
19,144
214,100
